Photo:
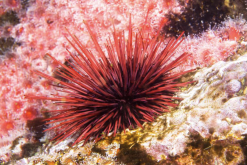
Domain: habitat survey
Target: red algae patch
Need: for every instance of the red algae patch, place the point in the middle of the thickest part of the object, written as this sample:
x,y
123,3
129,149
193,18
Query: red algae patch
x,y
17,105
7,126
11,5
27,84
29,113
233,33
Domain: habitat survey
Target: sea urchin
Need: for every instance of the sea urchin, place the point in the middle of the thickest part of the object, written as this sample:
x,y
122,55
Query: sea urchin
x,y
131,83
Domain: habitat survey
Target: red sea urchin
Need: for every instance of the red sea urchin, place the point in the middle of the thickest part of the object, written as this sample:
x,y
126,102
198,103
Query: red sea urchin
x,y
130,84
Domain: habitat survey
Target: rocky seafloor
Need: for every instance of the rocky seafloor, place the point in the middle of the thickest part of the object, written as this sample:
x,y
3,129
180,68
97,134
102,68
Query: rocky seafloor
x,y
208,127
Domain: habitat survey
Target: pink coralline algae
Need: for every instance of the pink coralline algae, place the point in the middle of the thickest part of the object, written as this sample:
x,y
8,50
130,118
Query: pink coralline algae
x,y
42,29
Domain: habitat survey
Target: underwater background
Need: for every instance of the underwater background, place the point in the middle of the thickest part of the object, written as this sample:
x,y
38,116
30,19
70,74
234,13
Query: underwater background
x,y
207,118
